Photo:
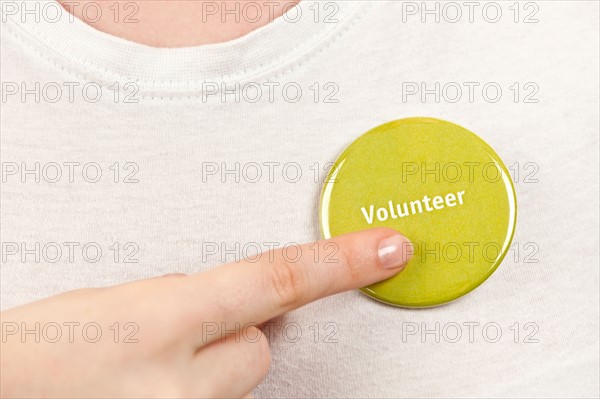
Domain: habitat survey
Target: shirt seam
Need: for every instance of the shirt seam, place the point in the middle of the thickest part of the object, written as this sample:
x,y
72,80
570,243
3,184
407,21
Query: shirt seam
x,y
280,68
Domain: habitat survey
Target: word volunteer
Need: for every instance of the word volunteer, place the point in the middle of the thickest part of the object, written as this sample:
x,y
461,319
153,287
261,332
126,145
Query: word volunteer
x,y
413,207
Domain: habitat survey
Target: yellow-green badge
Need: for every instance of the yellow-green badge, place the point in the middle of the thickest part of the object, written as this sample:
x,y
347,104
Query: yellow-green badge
x,y
438,184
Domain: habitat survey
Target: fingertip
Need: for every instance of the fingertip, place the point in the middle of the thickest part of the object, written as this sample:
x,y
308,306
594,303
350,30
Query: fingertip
x,y
395,251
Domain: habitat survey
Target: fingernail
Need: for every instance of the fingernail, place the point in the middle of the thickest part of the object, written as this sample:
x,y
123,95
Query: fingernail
x,y
395,251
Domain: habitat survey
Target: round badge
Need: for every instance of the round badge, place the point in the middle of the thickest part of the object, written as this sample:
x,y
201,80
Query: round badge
x,y
441,186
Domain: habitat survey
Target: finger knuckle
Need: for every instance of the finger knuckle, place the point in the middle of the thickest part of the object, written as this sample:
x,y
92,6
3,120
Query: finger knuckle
x,y
286,280
265,360
350,269
263,353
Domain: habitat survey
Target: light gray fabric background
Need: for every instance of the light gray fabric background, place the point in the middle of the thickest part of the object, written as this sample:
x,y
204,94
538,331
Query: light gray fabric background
x,y
549,280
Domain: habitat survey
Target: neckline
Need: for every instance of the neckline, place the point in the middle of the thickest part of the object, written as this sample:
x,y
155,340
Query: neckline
x,y
252,57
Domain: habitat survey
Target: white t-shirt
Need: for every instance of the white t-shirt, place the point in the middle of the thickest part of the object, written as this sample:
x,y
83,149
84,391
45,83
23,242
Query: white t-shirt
x,y
121,162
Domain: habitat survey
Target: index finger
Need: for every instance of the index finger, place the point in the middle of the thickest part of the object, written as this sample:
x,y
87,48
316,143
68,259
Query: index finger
x,y
254,291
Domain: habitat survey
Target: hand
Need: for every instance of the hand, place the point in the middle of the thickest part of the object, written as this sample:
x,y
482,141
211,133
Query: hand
x,y
181,336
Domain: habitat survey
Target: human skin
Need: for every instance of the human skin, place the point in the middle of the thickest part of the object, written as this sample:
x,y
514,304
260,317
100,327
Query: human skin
x,y
181,23
176,354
